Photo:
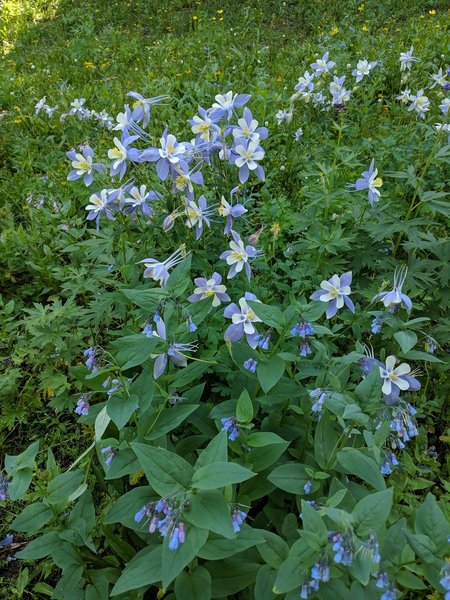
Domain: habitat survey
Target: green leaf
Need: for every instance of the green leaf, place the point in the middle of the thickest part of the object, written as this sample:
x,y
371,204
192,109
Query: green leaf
x,y
143,569
32,518
425,356
265,581
290,477
431,521
123,510
232,575
220,474
373,510
355,462
101,424
124,463
325,441
120,408
273,550
406,340
165,471
174,561
291,575
260,439
179,279
313,522
169,419
369,390
40,547
244,408
195,585
423,547
215,451
20,483
60,488
218,548
183,377
270,372
23,460
145,298
270,315
208,510
133,350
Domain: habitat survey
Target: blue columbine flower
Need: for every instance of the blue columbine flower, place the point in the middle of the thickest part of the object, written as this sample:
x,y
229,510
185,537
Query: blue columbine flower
x,y
100,204
197,215
245,154
237,518
230,425
336,292
225,104
237,258
174,353
231,211
210,288
243,320
322,65
159,271
83,166
396,296
250,364
371,182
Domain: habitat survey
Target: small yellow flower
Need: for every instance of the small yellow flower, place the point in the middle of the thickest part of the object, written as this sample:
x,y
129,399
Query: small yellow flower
x,y
89,65
194,18
432,11
364,28
361,7
335,30
275,229
220,11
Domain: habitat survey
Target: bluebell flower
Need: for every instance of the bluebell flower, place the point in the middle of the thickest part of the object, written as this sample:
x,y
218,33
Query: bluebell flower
x,y
263,340
320,396
82,407
389,594
243,321
210,288
4,488
307,487
382,580
389,462
302,329
148,330
343,548
305,349
110,453
371,182
7,541
177,536
191,325
83,166
320,571
377,324
238,256
237,518
372,548
91,358
402,424
445,578
250,364
430,345
336,292
230,425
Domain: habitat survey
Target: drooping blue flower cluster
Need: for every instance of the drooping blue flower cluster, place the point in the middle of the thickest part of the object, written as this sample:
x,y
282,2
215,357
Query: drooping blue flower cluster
x,y
303,329
320,572
164,516
319,395
109,453
230,425
445,579
343,548
237,518
4,488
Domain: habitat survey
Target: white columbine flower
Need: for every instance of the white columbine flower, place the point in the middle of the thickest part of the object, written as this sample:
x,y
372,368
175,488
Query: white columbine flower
x,y
406,59
419,103
404,96
438,78
98,202
363,68
392,376
117,154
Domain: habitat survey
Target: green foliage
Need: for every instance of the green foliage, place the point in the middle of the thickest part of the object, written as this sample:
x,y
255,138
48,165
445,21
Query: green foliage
x,y
214,441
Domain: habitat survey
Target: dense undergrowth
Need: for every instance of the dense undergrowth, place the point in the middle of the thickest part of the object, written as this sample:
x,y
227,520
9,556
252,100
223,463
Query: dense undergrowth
x,y
264,430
